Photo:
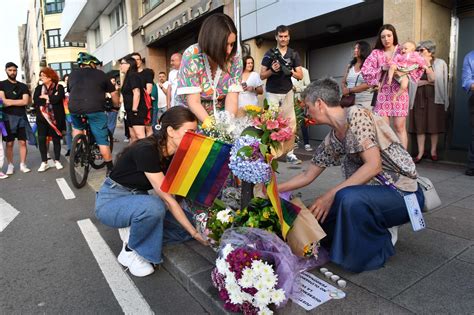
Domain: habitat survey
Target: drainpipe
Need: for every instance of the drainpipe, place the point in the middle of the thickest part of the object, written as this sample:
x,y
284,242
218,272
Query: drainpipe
x,y
237,21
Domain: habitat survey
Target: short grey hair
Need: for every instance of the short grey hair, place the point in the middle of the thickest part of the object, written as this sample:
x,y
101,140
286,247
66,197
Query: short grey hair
x,y
428,45
326,89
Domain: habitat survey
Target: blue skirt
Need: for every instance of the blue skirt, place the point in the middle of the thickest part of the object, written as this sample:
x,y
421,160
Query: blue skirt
x,y
357,223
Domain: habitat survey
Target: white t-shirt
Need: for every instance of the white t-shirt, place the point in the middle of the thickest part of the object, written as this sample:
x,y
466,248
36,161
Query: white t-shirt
x,y
250,98
173,80
162,95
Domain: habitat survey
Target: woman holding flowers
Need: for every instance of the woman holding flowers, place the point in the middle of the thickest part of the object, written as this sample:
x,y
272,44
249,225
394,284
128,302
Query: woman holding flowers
x,y
209,76
123,200
357,213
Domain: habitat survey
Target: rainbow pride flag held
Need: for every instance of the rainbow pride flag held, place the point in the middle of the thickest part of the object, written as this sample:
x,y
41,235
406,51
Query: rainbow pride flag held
x,y
199,169
286,211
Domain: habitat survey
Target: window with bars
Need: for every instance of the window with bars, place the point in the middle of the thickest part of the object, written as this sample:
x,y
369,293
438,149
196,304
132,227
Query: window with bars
x,y
149,5
63,68
117,17
53,6
53,39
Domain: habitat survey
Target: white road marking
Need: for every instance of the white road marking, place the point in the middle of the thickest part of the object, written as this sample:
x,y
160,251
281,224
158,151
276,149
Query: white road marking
x,y
125,291
65,189
7,214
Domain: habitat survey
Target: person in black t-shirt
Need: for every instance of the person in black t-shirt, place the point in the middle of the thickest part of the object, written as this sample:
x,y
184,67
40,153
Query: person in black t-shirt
x,y
87,88
134,99
123,200
279,88
16,97
147,76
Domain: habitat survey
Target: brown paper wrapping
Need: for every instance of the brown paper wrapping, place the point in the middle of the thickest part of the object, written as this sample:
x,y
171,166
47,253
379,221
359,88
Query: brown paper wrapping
x,y
305,230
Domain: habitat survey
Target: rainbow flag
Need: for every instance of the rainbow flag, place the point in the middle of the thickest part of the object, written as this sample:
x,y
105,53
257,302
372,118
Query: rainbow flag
x,y
286,211
66,109
199,169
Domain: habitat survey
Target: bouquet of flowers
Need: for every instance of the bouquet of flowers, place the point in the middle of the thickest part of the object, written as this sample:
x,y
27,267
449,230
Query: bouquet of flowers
x,y
258,214
274,129
224,126
246,281
247,160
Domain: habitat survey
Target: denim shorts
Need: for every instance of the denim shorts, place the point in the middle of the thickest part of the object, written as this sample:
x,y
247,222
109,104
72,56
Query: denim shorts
x,y
98,124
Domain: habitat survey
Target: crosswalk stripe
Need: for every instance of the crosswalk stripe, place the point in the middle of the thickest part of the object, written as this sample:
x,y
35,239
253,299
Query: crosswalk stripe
x,y
7,214
65,189
125,291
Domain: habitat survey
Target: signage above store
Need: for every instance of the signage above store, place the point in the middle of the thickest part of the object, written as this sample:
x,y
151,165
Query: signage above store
x,y
191,14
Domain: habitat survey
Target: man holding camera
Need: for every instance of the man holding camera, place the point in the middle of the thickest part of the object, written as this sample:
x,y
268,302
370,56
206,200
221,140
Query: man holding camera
x,y
278,66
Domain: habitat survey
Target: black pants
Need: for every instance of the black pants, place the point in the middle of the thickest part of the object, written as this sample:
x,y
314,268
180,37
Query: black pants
x,y
44,130
470,157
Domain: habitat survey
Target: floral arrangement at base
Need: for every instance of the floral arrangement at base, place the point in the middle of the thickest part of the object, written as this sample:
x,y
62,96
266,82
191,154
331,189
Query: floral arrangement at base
x,y
246,283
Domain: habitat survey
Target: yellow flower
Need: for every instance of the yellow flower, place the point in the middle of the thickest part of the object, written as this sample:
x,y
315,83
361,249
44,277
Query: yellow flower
x,y
231,219
208,122
266,214
252,108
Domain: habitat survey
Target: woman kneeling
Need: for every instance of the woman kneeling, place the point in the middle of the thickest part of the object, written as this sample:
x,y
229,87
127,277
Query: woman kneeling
x,y
123,199
357,213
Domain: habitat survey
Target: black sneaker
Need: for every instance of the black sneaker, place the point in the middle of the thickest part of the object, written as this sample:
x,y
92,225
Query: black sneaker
x,y
469,172
68,153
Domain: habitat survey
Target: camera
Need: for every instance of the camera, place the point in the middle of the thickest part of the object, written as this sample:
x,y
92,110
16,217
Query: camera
x,y
285,66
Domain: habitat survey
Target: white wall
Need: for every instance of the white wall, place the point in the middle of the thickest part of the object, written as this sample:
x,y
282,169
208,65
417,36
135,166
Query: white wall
x,y
262,16
115,47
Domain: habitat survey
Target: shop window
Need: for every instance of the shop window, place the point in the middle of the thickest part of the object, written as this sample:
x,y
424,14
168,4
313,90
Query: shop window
x,y
117,18
54,40
63,68
53,6
149,5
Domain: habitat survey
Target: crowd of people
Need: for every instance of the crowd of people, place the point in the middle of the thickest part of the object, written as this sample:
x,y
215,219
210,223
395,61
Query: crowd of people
x,y
380,86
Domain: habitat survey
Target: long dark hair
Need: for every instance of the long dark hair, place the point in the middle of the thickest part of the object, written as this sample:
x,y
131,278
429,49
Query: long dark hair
x,y
364,52
391,28
133,65
174,117
212,40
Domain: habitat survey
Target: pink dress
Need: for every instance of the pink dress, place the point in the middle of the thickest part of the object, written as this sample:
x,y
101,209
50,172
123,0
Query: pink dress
x,y
411,60
373,73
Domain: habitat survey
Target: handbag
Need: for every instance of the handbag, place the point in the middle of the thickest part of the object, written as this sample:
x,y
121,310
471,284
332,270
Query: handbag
x,y
432,200
374,98
349,100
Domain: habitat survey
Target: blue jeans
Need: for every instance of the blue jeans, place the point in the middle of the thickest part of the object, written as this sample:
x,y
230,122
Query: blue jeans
x,y
150,224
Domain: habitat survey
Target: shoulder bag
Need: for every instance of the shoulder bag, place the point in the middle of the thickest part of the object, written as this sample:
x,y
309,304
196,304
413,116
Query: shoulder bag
x,y
349,100
432,200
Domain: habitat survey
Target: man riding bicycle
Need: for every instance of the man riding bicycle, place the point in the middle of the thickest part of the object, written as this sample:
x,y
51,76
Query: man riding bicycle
x,y
87,88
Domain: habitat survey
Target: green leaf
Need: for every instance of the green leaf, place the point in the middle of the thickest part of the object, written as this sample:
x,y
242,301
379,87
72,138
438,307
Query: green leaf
x,y
274,165
266,137
245,151
263,149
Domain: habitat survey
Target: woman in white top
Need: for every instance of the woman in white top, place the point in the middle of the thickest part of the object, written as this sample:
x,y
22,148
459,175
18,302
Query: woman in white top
x,y
251,83
353,82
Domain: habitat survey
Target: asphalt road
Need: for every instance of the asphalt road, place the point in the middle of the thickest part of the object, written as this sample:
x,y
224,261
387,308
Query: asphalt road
x,y
46,265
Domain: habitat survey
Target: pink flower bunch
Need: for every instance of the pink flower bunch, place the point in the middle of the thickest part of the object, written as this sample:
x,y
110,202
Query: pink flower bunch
x,y
282,134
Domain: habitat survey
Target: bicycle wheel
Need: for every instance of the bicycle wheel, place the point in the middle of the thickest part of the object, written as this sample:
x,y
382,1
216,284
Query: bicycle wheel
x,y
78,161
97,161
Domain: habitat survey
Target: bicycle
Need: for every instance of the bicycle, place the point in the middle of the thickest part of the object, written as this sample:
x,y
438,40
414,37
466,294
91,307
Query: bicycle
x,y
85,153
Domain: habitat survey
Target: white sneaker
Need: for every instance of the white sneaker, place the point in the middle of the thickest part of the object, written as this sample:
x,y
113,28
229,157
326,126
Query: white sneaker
x,y
10,169
24,168
137,265
43,167
308,147
58,165
126,140
292,159
51,163
3,175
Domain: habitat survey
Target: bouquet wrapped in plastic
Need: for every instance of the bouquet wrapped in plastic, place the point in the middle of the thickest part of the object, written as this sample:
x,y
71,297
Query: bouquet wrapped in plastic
x,y
256,269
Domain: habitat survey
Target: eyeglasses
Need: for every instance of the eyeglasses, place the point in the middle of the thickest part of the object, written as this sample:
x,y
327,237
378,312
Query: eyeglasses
x,y
421,49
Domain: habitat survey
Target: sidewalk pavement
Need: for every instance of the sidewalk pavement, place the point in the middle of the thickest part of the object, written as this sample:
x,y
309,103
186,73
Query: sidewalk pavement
x,y
432,271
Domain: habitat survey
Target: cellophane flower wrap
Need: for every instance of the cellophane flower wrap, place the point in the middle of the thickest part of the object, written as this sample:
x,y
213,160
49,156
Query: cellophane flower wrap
x,y
236,284
225,126
247,162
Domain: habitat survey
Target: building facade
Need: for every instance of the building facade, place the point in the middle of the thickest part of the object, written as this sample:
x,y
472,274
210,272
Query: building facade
x,y
103,25
44,44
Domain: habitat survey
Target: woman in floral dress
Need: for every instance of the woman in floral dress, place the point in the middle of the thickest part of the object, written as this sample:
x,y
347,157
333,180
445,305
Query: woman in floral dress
x,y
374,72
210,71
